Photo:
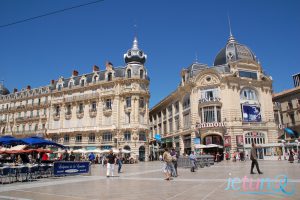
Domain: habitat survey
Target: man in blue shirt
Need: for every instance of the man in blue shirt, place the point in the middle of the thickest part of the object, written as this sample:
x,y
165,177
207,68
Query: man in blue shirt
x,y
193,161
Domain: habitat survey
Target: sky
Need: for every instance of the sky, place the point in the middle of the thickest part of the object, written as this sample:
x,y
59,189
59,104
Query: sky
x,y
171,33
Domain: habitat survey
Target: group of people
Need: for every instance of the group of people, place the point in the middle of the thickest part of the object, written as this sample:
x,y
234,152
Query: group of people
x,y
170,163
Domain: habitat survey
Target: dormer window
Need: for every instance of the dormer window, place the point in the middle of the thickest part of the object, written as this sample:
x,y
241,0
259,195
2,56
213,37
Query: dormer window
x,y
82,82
129,73
141,73
109,76
59,87
95,79
71,84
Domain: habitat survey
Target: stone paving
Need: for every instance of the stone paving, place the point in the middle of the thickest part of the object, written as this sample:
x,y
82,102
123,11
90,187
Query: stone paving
x,y
225,180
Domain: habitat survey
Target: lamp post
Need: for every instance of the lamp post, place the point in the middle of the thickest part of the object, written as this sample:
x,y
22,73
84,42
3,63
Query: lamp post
x,y
283,149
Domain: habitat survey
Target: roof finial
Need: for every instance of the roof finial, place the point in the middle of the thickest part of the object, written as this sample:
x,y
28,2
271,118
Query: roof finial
x,y
231,38
135,41
196,57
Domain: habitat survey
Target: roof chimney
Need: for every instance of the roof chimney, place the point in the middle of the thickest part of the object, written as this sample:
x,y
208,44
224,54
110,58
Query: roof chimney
x,y
28,87
15,90
75,73
95,68
52,82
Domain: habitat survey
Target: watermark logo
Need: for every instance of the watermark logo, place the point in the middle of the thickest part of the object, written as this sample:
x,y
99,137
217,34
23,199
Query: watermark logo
x,y
277,186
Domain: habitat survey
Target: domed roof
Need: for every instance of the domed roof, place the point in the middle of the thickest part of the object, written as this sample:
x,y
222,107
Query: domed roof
x,y
135,55
3,90
233,51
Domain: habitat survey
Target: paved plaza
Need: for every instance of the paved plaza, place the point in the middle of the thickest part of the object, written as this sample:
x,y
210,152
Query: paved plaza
x,y
145,181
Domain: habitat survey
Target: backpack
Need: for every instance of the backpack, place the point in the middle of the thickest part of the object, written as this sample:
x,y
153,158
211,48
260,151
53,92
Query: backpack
x,y
168,158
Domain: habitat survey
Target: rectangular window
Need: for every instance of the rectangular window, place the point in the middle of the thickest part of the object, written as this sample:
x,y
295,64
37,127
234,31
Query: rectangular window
x,y
247,74
78,138
171,125
69,109
141,102
209,114
92,138
128,102
107,137
186,120
292,117
66,139
127,136
80,110
142,137
108,104
94,106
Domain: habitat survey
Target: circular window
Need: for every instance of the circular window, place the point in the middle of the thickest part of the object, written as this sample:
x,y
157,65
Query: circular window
x,y
140,53
129,53
208,78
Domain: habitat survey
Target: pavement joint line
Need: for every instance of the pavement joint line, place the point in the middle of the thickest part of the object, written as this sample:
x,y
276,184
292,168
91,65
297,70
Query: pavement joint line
x,y
213,191
178,194
49,194
12,198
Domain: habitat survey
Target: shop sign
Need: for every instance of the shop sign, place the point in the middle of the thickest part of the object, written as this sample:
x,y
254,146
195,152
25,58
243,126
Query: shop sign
x,y
210,125
67,168
197,140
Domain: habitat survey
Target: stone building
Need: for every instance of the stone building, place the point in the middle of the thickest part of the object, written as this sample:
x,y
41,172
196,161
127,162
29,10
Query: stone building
x,y
287,115
222,108
102,109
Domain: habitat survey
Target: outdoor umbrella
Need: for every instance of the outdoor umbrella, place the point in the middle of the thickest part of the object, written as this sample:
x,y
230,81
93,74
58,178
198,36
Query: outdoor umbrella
x,y
9,140
41,142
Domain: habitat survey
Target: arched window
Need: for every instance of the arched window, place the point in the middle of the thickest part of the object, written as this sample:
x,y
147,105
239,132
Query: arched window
x,y
82,82
129,73
141,73
59,87
95,79
71,83
248,94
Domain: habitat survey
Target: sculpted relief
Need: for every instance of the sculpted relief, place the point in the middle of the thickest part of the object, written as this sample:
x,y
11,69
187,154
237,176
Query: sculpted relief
x,y
207,79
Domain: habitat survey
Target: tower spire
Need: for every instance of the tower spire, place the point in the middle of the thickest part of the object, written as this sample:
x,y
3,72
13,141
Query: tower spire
x,y
231,38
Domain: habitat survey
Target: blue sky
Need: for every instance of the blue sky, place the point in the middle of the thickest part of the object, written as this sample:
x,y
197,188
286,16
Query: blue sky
x,y
170,33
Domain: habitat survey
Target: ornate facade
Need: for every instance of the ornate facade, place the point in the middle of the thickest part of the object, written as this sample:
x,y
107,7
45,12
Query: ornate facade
x,y
228,105
102,109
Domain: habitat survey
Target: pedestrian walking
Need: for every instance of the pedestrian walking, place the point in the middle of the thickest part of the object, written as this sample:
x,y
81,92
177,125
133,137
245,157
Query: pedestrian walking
x,y
167,158
291,156
92,157
65,156
193,161
253,158
174,162
120,159
111,161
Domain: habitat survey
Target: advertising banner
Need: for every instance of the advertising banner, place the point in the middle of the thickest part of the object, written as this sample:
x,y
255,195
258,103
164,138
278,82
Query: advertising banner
x,y
68,168
197,140
251,113
208,140
227,141
239,140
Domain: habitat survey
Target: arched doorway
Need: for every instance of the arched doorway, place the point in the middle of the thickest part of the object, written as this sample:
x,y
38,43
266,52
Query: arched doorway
x,y
142,153
127,155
